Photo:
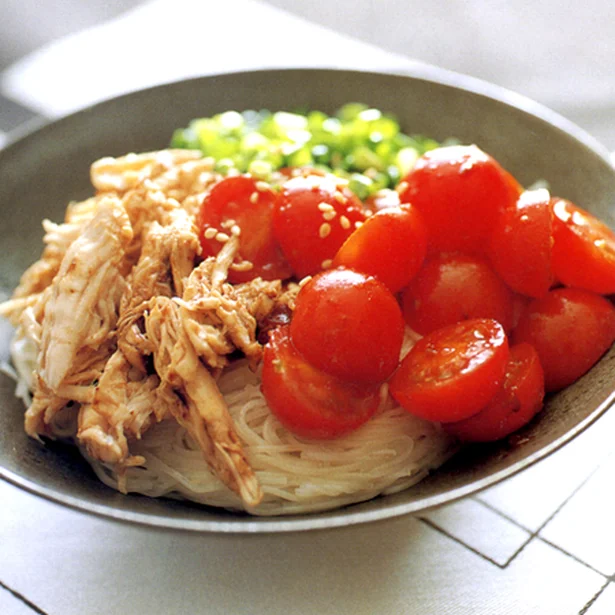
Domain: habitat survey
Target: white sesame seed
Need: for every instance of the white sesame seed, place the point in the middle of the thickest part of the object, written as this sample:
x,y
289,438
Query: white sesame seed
x,y
304,281
324,230
210,232
222,237
326,263
254,197
344,222
235,230
243,266
262,186
325,207
401,187
339,197
329,215
358,224
368,213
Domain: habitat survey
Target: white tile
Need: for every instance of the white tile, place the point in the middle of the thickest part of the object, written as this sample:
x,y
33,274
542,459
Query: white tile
x,y
69,563
585,526
531,497
10,605
480,528
605,603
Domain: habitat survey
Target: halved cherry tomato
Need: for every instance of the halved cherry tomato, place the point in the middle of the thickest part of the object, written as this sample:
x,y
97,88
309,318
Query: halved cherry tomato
x,y
453,372
349,325
390,245
571,329
521,242
307,401
454,287
313,218
460,191
513,406
247,204
584,249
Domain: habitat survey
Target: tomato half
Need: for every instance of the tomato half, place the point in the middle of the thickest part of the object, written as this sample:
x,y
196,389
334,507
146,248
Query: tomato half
x,y
307,401
245,205
513,406
521,244
313,218
454,287
453,372
583,250
460,191
348,325
571,329
389,245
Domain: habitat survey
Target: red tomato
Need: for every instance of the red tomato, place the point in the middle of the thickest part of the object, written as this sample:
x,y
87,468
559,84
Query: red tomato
x,y
390,245
584,249
348,325
454,287
513,406
521,242
453,372
307,401
571,329
460,191
314,216
243,202
383,199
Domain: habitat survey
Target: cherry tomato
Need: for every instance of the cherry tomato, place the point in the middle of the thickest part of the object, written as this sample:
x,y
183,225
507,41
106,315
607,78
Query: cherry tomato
x,y
313,218
453,372
584,249
460,191
307,401
454,287
390,245
245,204
513,406
383,199
521,242
571,329
349,325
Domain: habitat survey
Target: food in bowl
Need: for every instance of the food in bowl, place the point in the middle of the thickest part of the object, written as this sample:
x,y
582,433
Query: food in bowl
x,y
246,327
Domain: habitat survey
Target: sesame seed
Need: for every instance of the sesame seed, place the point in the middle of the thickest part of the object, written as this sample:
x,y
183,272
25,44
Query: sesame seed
x,y
210,232
401,187
222,237
368,213
324,230
326,263
304,281
243,266
344,222
329,215
325,207
235,230
254,197
358,224
339,197
262,186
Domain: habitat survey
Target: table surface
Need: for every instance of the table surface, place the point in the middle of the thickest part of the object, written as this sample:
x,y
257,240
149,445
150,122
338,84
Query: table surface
x,y
541,542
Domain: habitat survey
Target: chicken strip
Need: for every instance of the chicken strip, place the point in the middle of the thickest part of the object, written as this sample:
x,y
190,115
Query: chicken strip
x,y
203,412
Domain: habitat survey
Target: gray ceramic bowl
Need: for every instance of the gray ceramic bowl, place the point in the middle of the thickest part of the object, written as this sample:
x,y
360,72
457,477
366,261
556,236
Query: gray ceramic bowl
x,y
46,168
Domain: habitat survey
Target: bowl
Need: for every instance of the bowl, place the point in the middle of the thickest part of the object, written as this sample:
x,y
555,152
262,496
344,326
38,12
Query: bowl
x,y
46,167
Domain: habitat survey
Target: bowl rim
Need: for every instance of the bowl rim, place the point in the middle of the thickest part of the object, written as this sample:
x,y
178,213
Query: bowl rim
x,y
343,516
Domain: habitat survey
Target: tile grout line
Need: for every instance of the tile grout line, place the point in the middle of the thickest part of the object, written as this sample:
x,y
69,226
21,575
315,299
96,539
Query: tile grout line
x,y
23,599
593,599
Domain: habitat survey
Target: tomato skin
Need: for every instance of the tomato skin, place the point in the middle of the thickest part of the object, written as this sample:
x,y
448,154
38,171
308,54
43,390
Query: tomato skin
x,y
348,325
521,244
307,401
513,406
460,191
571,329
230,200
453,372
310,237
390,245
454,287
583,250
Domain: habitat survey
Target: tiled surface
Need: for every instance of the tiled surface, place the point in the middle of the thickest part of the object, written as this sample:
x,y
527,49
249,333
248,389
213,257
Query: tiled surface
x,y
540,543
